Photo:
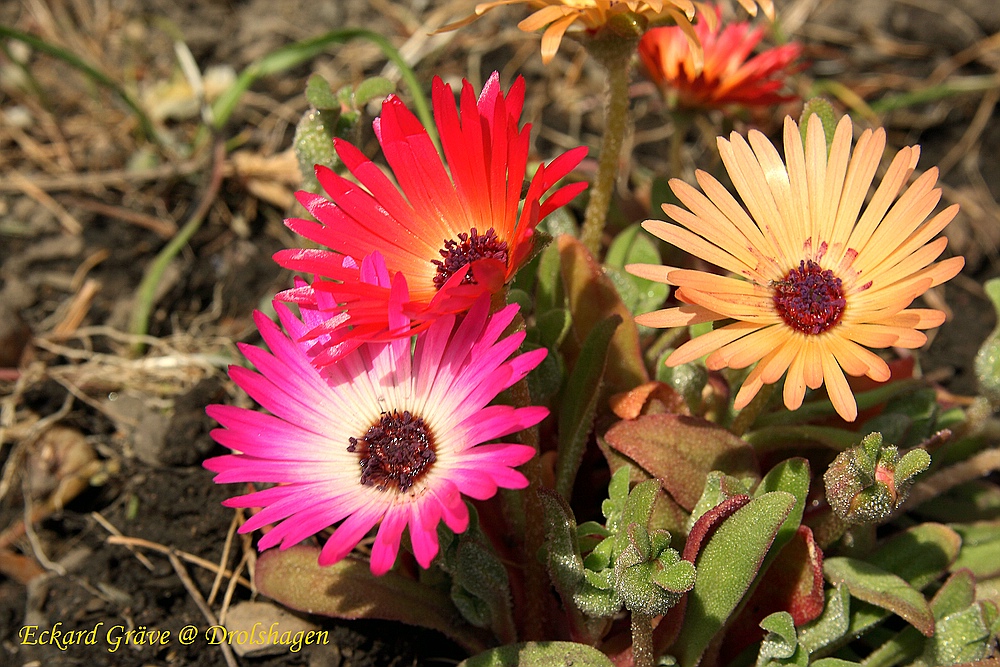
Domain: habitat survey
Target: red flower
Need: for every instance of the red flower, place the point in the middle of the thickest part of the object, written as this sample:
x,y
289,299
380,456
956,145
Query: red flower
x,y
454,232
727,77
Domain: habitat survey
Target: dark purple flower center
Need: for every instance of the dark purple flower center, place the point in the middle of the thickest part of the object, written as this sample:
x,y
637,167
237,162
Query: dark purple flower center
x,y
810,299
397,450
468,248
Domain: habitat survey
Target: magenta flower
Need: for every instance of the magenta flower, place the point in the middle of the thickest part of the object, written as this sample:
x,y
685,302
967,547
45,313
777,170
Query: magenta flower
x,y
385,436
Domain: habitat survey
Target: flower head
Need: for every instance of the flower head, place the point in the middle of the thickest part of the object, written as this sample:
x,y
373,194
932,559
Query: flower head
x,y
454,232
818,280
556,16
726,75
384,437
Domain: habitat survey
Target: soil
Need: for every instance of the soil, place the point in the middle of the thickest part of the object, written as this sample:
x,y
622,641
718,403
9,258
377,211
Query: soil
x,y
132,431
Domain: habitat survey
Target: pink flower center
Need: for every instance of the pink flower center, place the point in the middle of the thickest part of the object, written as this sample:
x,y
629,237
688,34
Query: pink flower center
x,y
397,450
810,299
467,249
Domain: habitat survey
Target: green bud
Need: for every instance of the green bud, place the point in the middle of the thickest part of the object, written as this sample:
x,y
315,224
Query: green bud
x,y
650,576
866,483
822,109
988,358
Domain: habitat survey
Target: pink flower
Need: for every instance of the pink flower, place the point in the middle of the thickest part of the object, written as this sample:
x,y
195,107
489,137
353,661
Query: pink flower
x,y
728,75
384,437
455,232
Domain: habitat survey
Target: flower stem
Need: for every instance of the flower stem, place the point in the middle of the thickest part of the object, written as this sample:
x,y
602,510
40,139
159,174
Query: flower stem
x,y
615,124
642,640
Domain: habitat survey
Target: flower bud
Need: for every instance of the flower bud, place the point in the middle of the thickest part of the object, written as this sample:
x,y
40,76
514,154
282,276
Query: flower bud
x,y
866,483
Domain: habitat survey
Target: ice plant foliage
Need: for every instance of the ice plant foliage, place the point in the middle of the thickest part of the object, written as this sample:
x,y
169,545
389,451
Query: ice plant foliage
x,y
728,74
455,232
817,279
384,437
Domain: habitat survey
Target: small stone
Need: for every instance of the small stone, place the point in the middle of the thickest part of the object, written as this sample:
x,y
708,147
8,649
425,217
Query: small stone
x,y
261,628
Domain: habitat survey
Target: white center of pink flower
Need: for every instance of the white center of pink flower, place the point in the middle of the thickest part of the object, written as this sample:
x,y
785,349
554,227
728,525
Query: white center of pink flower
x,y
466,250
397,450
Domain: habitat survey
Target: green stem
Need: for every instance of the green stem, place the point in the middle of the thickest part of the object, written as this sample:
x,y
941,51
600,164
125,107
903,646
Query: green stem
x,y
642,640
71,59
682,122
615,124
146,292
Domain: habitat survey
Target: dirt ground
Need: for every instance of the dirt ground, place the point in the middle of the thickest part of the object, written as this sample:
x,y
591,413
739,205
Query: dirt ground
x,y
124,527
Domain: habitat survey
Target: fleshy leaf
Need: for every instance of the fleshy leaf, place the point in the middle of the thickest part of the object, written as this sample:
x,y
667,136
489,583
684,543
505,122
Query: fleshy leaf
x,y
553,325
480,588
792,584
919,554
579,403
592,299
631,246
832,623
793,476
881,588
780,646
540,654
320,94
719,487
347,589
727,565
980,551
549,289
566,569
962,637
680,451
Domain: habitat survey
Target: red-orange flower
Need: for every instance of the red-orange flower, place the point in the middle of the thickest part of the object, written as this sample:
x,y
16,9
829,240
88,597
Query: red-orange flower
x,y
454,232
728,74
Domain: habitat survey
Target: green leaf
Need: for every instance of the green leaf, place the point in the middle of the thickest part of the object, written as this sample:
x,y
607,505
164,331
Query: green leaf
x,y
347,589
320,95
780,646
680,451
553,325
886,590
549,288
980,551
522,299
547,377
480,588
633,246
727,564
791,475
592,299
565,566
833,662
832,623
579,403
962,637
372,88
718,487
919,554
540,654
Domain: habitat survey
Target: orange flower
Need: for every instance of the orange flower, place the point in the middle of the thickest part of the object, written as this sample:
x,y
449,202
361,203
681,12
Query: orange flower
x,y
818,279
556,16
726,76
